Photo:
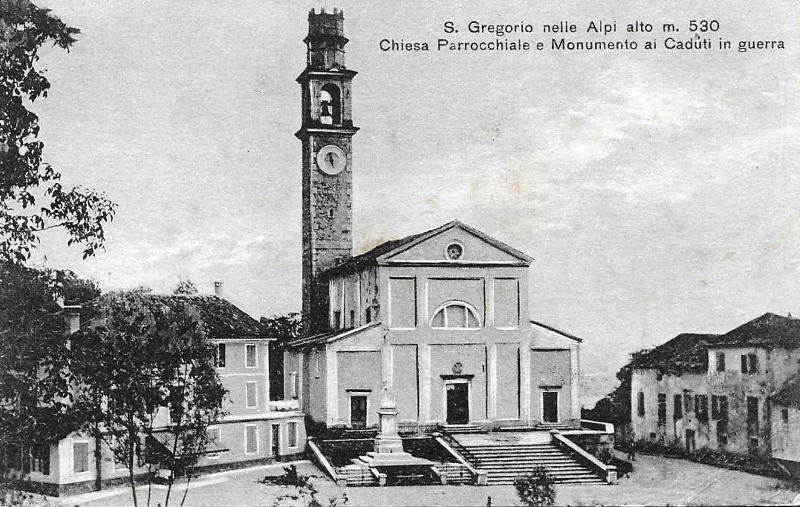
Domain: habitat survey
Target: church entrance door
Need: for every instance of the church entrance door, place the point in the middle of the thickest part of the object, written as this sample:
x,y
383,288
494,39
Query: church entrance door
x,y
457,402
550,406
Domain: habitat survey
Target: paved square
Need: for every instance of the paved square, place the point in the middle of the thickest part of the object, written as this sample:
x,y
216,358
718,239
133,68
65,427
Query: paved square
x,y
656,481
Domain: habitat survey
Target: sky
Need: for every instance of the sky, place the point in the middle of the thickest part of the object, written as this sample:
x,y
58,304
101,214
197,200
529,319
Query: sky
x,y
657,191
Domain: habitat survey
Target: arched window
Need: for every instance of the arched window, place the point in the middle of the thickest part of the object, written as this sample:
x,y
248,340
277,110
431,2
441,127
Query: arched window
x,y
330,105
456,315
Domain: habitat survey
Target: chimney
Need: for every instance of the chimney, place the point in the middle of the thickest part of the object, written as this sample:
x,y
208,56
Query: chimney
x,y
218,289
72,318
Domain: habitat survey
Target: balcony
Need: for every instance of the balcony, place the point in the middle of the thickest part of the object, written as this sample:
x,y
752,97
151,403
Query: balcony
x,y
284,406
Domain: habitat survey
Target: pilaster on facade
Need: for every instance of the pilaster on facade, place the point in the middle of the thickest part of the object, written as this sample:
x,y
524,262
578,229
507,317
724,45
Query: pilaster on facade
x,y
425,382
491,356
331,388
525,380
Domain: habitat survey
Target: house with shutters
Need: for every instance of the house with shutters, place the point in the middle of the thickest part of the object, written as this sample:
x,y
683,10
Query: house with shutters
x,y
254,430
736,392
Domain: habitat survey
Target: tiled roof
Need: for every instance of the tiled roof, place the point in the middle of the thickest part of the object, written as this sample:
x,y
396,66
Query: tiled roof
x,y
789,394
226,320
329,336
223,319
359,261
769,330
686,353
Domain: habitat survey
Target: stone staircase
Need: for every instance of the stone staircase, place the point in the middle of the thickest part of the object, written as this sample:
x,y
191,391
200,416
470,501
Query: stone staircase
x,y
504,462
462,429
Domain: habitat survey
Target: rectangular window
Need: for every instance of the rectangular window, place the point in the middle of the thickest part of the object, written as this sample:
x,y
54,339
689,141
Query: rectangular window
x,y
80,457
785,414
214,441
659,376
250,353
250,394
293,385
292,429
677,407
352,318
714,406
219,356
723,408
41,460
337,319
722,433
701,407
744,363
752,363
368,316
662,409
250,439
687,403
640,404
720,361
752,415
316,364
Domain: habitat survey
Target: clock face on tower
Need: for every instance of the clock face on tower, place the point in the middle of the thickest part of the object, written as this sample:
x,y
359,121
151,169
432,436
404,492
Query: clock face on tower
x,y
331,159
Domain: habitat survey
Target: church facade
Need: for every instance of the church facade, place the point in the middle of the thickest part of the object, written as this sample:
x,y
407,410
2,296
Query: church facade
x,y
440,318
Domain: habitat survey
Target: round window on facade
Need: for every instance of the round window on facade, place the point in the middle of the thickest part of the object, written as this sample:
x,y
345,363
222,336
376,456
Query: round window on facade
x,y
454,251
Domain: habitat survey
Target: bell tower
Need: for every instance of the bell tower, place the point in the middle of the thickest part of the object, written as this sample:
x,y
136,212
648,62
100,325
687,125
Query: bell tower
x,y
326,134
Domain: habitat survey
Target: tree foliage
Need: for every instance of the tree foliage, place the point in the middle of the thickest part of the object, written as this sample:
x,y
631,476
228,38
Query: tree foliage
x,y
535,488
615,407
147,381
32,197
283,328
185,287
34,379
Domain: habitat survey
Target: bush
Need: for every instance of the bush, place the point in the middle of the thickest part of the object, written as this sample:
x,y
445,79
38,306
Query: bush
x,y
535,488
290,477
10,497
308,496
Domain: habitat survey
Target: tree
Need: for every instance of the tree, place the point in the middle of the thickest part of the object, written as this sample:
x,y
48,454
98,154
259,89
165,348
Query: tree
x,y
185,288
35,404
24,177
615,407
284,328
535,488
147,385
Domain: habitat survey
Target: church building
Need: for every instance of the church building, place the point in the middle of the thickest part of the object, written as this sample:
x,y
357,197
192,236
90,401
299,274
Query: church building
x,y
440,319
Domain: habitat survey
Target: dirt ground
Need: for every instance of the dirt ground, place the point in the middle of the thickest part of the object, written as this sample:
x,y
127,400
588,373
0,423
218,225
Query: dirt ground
x,y
655,481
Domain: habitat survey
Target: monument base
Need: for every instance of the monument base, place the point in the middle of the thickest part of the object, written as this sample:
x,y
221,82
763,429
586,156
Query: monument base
x,y
388,444
393,459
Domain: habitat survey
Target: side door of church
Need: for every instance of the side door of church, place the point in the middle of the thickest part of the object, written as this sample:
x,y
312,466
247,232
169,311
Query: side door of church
x,y
358,411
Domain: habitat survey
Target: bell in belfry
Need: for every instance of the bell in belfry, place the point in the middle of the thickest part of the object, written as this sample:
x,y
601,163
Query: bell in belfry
x,y
325,115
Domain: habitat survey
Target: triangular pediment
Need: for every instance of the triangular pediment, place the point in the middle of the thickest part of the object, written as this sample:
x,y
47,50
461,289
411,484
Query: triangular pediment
x,y
442,245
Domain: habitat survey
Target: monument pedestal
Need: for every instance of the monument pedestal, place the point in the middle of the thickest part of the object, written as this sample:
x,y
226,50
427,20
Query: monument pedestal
x,y
389,458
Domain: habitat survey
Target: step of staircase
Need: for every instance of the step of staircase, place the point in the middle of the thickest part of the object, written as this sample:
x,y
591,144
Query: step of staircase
x,y
504,462
461,429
